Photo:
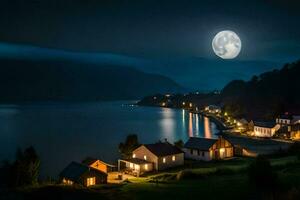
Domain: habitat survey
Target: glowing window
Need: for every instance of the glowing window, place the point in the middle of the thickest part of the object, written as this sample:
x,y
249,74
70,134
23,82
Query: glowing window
x,y
131,165
90,181
164,160
146,167
67,182
145,157
133,155
136,167
173,158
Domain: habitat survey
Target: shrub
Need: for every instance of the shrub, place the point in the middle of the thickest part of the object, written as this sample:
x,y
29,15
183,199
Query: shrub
x,y
295,148
261,174
224,171
188,175
23,171
293,193
130,144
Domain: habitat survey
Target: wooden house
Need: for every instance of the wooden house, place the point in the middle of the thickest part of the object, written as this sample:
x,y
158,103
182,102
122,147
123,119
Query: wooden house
x,y
207,149
148,157
98,164
77,173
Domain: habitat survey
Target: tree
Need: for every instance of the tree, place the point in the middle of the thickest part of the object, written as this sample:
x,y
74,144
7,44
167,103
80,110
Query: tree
x,y
24,170
179,144
261,175
130,144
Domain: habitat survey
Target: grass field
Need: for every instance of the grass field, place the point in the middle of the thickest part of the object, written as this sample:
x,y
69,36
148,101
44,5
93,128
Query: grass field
x,y
214,180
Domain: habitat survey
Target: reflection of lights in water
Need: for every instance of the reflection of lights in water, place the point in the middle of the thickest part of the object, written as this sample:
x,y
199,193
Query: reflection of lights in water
x,y
183,121
183,116
207,131
168,123
190,125
197,125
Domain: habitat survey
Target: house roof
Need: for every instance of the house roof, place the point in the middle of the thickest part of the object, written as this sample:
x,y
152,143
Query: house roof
x,y
89,160
200,143
214,107
296,118
265,124
259,146
286,116
75,170
163,149
243,121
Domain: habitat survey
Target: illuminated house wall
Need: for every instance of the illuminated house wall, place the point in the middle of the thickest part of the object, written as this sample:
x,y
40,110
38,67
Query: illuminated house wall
x,y
265,131
208,149
164,156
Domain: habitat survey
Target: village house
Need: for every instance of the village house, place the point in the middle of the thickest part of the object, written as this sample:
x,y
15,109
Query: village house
x,y
207,149
98,164
148,157
213,109
242,124
287,119
265,129
77,173
295,132
288,126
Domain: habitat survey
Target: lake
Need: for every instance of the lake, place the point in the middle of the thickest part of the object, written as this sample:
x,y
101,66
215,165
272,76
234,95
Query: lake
x,y
62,133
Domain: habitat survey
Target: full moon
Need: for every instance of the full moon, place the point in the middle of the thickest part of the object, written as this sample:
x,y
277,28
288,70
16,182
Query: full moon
x,y
227,44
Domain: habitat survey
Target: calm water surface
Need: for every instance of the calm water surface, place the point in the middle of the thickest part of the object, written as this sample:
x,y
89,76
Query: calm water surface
x,y
63,133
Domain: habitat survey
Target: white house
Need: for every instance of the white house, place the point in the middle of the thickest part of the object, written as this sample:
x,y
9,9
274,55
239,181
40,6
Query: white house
x,y
148,157
207,149
284,119
265,129
288,119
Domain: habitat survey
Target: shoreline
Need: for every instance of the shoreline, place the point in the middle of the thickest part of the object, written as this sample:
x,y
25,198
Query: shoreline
x,y
220,125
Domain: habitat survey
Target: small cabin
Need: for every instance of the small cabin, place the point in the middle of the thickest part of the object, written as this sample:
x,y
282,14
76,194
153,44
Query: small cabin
x,y
77,173
207,149
98,164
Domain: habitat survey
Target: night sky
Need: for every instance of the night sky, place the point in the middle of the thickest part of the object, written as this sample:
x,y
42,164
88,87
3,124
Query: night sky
x,y
269,29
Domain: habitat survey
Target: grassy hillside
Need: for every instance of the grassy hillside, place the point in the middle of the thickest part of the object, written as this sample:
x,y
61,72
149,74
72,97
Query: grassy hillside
x,y
214,180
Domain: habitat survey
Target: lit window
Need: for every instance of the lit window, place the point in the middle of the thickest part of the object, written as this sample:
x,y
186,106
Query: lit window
x,y
173,158
146,167
136,167
145,157
164,160
131,165
90,181
67,182
133,155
